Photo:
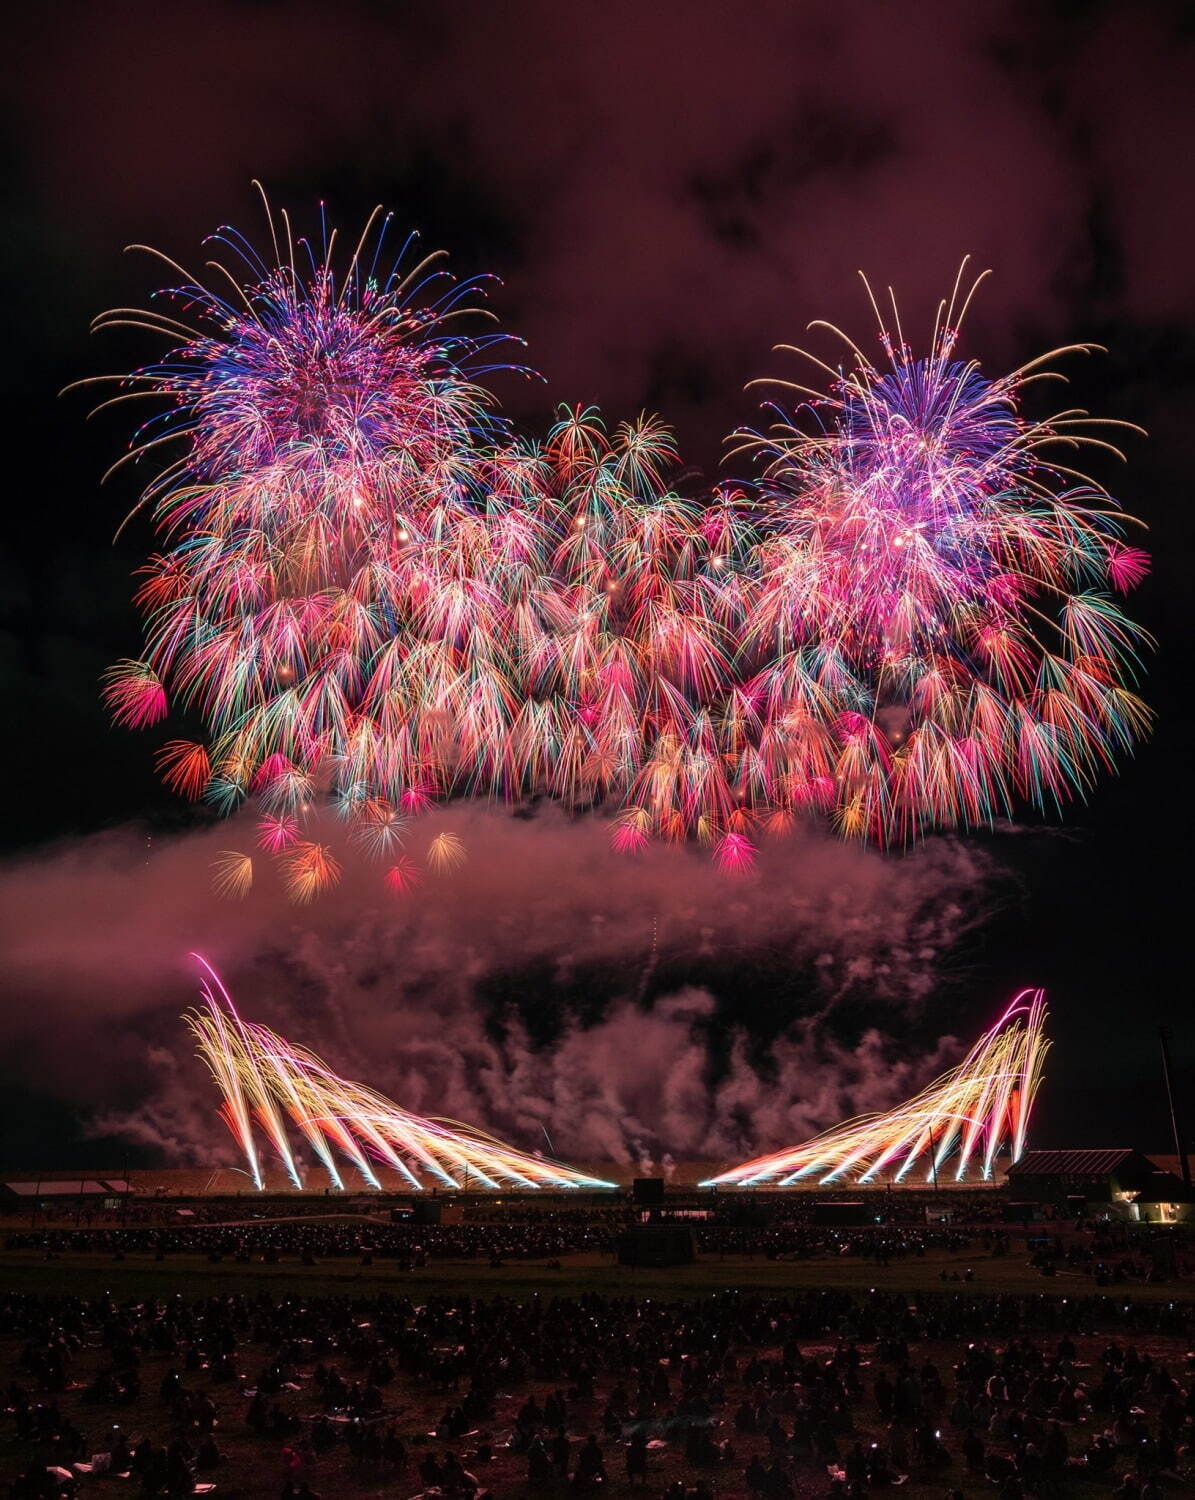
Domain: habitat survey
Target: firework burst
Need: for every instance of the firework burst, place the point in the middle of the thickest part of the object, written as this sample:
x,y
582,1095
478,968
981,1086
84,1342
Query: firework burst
x,y
309,870
445,853
232,875
935,583
376,598
402,875
319,603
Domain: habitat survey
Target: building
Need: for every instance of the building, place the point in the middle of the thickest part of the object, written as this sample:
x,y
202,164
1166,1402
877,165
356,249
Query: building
x,y
1165,1199
1120,1181
60,1194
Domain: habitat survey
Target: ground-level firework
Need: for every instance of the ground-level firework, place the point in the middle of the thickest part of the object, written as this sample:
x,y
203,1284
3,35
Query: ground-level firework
x,y
955,1127
272,1087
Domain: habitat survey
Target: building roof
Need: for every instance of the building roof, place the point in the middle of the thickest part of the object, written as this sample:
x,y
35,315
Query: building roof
x,y
77,1188
1165,1187
1100,1162
1170,1164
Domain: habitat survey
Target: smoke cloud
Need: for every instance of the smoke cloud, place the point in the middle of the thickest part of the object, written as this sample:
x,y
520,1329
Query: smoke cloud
x,y
549,990
669,188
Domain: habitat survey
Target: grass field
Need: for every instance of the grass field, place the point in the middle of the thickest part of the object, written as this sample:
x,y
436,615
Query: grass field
x,y
140,1275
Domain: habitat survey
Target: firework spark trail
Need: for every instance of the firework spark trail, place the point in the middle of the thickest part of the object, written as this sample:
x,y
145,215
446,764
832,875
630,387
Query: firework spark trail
x,y
376,598
970,1114
265,1080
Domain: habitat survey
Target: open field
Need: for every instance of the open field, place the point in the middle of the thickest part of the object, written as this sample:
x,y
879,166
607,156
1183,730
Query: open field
x,y
194,1275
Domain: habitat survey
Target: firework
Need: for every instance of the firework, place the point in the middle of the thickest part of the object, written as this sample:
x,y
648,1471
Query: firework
x,y
232,874
185,768
934,609
320,602
402,875
309,871
376,598
134,693
277,832
445,852
378,828
267,1083
959,1123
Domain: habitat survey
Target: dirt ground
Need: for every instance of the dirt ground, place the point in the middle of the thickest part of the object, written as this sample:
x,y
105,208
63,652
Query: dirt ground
x,y
254,1465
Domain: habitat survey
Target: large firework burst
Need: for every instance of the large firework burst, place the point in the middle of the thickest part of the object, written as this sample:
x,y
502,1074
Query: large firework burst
x,y
374,597
936,588
323,603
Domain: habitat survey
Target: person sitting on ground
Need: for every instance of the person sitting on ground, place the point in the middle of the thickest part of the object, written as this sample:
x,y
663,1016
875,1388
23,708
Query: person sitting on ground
x,y
591,1464
456,1479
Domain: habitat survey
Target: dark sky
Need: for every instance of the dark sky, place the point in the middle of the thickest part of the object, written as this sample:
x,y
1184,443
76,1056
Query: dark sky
x,y
667,191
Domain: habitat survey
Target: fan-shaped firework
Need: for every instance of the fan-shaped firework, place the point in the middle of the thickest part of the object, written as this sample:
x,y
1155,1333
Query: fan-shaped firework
x,y
267,1081
935,588
375,598
962,1121
232,874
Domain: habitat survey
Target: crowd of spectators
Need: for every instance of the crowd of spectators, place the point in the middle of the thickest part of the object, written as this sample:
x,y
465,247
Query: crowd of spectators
x,y
536,1238
330,1238
821,1392
1110,1255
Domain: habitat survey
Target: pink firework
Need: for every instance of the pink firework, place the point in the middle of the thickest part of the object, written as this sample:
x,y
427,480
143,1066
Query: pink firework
x,y
937,636
403,875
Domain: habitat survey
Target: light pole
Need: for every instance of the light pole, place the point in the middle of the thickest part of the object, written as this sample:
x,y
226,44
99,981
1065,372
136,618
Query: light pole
x,y
1184,1162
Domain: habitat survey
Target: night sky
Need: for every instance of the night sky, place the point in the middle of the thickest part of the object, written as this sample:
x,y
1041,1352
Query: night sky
x,y
667,191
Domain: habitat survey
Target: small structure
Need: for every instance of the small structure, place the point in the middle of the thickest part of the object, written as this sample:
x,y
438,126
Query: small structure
x,y
839,1211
